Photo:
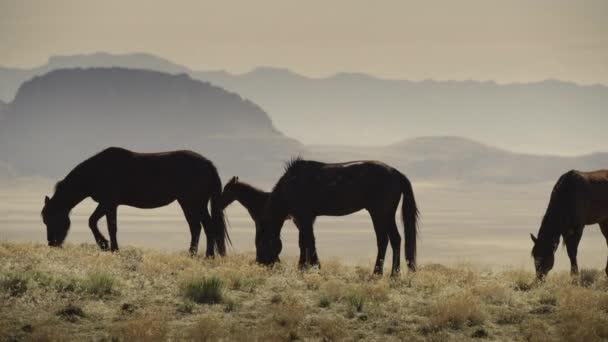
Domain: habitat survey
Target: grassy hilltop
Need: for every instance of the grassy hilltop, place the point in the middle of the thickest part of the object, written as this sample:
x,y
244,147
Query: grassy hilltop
x,y
80,293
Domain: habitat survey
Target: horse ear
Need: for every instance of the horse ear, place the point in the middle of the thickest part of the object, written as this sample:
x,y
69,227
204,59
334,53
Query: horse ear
x,y
236,179
46,199
533,238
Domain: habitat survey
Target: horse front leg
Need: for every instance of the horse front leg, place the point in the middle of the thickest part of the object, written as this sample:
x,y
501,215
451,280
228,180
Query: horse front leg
x,y
97,214
604,229
308,249
112,227
572,241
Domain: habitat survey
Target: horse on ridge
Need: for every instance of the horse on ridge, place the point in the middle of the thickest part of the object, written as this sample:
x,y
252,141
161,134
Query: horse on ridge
x,y
309,189
116,176
578,199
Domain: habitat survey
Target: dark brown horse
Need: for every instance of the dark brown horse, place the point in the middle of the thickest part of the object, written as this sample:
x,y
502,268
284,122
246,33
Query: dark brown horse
x,y
116,176
309,189
250,197
578,199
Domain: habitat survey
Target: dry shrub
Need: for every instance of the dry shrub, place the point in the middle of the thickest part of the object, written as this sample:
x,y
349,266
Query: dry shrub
x,y
284,319
48,332
509,316
493,293
332,267
547,298
588,277
582,315
333,289
15,283
152,327
4,330
455,311
207,328
434,277
535,331
377,290
313,280
519,280
331,328
241,277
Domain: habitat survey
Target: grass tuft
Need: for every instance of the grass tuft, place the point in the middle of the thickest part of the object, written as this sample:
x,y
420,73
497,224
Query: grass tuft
x,y
204,291
15,284
100,285
588,277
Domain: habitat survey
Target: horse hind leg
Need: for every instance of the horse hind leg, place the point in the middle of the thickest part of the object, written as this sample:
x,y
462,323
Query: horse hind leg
x,y
112,227
194,222
207,223
381,242
395,239
604,229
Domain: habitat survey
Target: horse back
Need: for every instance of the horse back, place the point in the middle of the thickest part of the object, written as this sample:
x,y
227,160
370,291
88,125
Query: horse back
x,y
594,192
148,179
343,188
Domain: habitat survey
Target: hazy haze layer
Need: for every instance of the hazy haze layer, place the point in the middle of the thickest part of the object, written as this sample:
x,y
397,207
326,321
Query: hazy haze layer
x,y
507,41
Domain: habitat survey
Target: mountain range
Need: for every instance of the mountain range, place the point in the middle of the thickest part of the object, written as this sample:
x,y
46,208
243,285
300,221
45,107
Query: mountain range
x,y
63,116
66,115
550,117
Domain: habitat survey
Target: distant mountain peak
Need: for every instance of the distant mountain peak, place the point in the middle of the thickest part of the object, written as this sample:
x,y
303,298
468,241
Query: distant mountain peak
x,y
138,60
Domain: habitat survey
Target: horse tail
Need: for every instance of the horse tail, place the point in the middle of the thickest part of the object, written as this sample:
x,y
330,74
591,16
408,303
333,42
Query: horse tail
x,y
220,233
409,216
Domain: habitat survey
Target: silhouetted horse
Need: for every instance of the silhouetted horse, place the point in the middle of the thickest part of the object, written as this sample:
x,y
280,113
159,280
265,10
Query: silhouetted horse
x,y
116,176
252,198
578,199
309,189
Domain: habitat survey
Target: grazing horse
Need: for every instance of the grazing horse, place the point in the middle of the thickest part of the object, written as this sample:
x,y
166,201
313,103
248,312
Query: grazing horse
x,y
250,197
578,199
309,189
116,176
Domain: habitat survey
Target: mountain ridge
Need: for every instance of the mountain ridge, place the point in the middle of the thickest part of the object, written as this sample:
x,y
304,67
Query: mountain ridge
x,y
58,119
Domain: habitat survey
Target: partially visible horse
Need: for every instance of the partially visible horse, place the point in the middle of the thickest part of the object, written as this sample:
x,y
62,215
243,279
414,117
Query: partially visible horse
x,y
250,197
578,199
309,189
117,176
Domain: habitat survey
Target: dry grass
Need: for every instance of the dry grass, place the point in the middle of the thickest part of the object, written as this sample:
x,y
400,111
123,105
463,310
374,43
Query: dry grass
x,y
80,293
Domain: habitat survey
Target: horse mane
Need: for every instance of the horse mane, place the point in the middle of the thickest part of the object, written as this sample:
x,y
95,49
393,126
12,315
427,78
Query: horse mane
x,y
293,163
73,175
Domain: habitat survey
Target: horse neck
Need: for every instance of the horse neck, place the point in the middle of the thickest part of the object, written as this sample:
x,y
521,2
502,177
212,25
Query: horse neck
x,y
251,198
551,227
70,192
276,212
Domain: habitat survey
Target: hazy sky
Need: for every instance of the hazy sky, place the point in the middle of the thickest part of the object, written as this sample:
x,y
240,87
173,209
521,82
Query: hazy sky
x,y
510,40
